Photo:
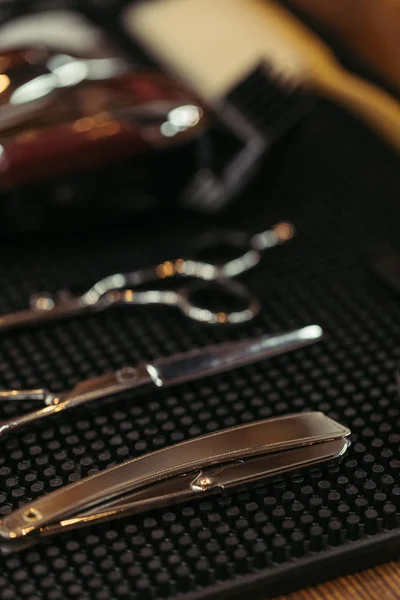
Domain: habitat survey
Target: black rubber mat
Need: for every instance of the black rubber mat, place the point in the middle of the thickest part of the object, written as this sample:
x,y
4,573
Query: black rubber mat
x,y
340,187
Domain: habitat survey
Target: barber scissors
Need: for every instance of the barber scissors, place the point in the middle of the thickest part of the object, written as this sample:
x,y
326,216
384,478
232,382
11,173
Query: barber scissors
x,y
214,278
160,373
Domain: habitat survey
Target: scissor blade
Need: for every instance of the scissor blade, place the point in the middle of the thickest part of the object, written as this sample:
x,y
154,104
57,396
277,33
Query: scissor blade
x,y
168,371
224,357
31,316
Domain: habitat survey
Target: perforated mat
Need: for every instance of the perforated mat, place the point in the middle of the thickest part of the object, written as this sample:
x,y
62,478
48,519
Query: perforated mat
x,y
340,186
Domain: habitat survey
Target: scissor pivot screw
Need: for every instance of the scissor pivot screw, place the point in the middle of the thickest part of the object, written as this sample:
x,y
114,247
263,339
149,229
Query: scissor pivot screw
x,y
32,515
42,302
127,375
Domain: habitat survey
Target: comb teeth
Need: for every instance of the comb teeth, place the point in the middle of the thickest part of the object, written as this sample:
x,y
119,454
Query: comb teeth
x,y
259,111
271,101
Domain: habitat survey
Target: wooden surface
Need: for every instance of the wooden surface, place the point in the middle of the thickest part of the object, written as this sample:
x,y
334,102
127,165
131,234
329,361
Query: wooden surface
x,y
381,583
368,27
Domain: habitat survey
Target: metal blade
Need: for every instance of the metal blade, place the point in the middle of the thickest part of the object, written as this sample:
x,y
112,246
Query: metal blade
x,y
35,316
224,357
189,486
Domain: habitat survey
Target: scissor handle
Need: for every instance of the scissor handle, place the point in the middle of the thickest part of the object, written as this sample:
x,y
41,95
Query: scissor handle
x,y
113,290
184,300
245,256
247,250
40,394
233,289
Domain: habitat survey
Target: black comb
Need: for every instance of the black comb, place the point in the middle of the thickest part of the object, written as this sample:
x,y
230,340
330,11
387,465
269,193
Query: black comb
x,y
259,111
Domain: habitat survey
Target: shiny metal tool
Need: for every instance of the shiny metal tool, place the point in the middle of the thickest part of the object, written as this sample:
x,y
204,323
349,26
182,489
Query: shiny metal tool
x,y
111,111
161,373
114,290
89,137
190,469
